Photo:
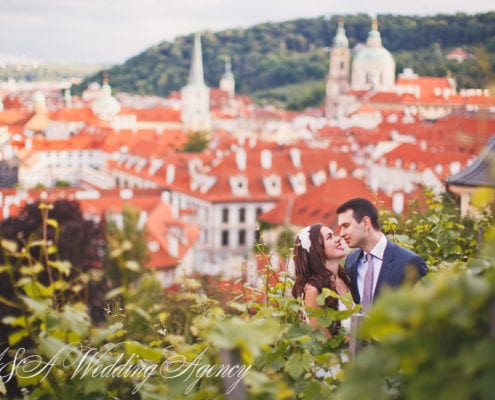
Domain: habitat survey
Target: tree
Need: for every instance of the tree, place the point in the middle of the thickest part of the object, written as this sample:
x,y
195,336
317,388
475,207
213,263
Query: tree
x,y
196,142
274,55
60,257
62,183
78,240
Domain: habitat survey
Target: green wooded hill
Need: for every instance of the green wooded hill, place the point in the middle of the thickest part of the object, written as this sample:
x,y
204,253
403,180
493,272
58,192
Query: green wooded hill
x,y
287,62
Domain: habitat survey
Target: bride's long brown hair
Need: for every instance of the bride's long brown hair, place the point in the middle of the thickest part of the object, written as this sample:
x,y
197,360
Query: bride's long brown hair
x,y
310,268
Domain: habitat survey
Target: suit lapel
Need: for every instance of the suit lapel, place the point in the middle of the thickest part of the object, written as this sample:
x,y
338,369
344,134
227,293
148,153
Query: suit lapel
x,y
387,263
352,267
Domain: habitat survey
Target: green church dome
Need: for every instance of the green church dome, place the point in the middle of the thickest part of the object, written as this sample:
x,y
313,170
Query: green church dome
x,y
373,54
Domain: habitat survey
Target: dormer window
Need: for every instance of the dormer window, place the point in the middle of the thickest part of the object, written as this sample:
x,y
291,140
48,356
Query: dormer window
x,y
273,185
332,167
298,183
318,178
239,185
266,159
295,156
455,167
140,164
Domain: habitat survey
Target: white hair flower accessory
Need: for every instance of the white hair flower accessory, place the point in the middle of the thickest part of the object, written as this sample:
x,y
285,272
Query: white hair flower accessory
x,y
304,238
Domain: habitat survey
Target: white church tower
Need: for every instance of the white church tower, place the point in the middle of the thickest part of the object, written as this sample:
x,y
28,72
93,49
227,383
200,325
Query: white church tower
x,y
338,78
195,96
227,81
105,106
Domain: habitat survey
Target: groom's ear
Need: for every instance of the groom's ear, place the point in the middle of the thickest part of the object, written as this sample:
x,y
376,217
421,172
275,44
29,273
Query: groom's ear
x,y
367,223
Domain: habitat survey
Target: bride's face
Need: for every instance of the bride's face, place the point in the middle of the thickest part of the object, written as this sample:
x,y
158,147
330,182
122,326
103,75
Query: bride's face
x,y
334,249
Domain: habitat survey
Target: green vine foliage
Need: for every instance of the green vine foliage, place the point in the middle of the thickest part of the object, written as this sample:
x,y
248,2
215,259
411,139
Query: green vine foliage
x,y
173,342
433,340
434,230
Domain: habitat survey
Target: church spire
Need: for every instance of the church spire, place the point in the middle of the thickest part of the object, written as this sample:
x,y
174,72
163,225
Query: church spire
x,y
195,96
228,66
196,77
227,81
374,37
338,74
340,39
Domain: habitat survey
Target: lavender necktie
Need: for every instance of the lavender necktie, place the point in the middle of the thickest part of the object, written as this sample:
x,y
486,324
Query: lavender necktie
x,y
368,284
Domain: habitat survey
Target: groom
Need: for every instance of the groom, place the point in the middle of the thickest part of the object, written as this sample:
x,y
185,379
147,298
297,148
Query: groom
x,y
376,262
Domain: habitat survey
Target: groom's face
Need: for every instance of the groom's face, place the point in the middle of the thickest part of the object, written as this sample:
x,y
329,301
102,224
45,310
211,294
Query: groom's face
x,y
353,232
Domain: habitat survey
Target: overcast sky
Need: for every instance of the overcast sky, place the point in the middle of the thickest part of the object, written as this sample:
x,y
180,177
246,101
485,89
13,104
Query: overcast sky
x,y
111,31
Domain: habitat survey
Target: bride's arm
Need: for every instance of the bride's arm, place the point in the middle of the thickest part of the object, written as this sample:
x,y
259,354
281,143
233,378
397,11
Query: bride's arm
x,y
310,295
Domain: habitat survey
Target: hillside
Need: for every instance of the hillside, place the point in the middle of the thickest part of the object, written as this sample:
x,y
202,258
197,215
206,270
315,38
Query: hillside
x,y
271,61
40,71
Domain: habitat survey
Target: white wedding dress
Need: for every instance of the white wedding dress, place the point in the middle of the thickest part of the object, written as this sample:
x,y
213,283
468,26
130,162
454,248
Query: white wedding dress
x,y
346,323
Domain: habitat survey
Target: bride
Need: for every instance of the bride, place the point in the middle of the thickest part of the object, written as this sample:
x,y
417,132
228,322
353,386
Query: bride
x,y
317,253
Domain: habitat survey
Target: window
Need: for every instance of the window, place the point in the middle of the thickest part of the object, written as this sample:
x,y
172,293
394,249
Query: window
x,y
225,238
242,237
225,215
242,215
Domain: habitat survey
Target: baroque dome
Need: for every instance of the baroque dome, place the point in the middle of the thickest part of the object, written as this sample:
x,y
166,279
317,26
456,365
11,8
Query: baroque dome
x,y
378,54
105,106
374,51
373,66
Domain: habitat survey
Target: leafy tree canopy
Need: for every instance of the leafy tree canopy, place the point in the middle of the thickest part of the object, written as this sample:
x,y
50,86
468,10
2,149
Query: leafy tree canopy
x,y
277,55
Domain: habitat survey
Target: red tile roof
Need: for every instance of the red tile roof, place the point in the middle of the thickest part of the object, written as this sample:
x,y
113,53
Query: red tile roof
x,y
154,114
320,203
15,117
95,203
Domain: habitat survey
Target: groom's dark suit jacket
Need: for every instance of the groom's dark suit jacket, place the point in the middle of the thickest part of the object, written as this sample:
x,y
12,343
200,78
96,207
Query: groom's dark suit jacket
x,y
395,263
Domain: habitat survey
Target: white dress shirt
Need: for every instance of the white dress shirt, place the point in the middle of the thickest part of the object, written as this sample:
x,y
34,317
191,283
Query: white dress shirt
x,y
377,253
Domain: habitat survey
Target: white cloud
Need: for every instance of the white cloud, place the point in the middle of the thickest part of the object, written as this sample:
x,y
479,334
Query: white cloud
x,y
114,30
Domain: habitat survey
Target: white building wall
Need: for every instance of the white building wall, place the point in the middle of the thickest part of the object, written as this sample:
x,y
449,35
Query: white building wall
x,y
62,130
47,167
210,255
392,179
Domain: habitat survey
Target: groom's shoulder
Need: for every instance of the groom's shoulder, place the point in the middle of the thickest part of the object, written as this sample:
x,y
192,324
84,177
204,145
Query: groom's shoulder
x,y
401,250
353,255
